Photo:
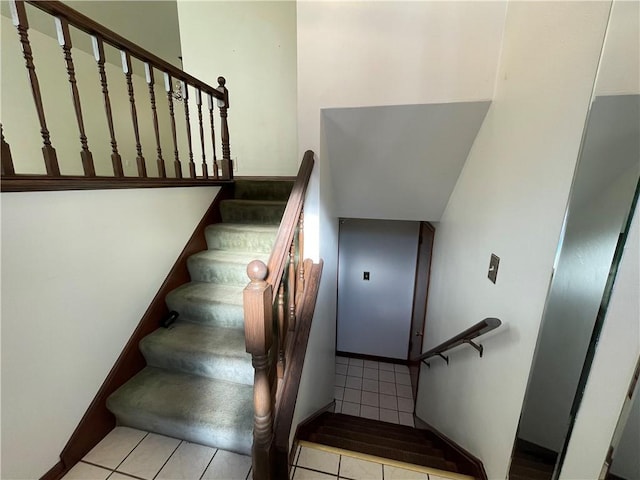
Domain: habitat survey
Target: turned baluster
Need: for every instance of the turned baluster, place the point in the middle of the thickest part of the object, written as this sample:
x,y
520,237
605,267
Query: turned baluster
x,y
205,173
213,138
98,53
185,97
257,298
281,331
176,162
19,17
64,39
148,70
291,286
5,156
300,290
128,73
227,166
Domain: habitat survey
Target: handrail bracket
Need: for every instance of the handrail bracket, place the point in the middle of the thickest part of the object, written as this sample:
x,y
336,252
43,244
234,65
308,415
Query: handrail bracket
x,y
478,347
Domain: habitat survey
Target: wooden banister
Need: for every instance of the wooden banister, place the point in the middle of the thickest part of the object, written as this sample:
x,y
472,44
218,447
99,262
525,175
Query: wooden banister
x,y
467,336
273,287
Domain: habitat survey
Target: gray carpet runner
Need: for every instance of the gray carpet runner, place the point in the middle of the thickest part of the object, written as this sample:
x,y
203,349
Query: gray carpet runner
x,y
198,382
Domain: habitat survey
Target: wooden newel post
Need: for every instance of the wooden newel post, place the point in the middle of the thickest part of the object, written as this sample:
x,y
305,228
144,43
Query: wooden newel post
x,y
227,167
257,297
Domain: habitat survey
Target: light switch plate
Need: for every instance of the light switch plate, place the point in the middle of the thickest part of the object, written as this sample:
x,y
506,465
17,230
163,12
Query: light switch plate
x,y
493,267
365,276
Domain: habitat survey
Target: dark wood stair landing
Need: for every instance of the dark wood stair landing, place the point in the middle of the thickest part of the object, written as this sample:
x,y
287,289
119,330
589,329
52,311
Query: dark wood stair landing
x,y
387,440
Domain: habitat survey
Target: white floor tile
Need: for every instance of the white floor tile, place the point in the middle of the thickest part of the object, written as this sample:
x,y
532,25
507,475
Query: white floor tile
x,y
354,382
367,411
386,366
319,460
356,469
436,477
387,388
370,364
387,376
340,380
403,379
354,371
349,408
341,369
304,474
405,404
369,385
370,398
401,369
228,465
357,362
120,476
84,471
149,456
388,401
115,447
370,373
406,419
342,360
395,473
404,391
351,395
390,416
189,461
338,393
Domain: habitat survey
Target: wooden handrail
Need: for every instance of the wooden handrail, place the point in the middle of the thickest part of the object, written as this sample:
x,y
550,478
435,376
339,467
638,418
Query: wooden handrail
x,y
466,336
84,23
289,223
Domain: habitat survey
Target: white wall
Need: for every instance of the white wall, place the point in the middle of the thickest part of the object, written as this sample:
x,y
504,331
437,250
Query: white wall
x,y
374,316
253,45
625,462
612,369
509,200
79,269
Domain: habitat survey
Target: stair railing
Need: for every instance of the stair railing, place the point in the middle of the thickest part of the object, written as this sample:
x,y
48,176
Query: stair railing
x,y
271,304
465,337
174,83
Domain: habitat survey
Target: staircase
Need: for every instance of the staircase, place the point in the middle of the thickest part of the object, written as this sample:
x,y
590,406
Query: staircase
x,y
387,440
198,382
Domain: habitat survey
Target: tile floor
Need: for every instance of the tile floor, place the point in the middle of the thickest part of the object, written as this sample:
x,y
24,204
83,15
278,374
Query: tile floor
x,y
127,454
319,464
377,390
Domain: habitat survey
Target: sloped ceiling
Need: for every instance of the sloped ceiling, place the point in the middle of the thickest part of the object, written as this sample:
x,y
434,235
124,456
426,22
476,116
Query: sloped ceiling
x,y
398,162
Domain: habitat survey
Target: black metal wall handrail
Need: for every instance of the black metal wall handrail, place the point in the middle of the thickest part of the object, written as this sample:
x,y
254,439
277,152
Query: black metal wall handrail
x,y
466,336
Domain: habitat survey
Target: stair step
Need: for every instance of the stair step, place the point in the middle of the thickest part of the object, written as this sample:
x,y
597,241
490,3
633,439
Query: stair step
x,y
208,303
263,189
212,352
383,451
223,267
373,430
384,440
535,473
210,412
384,428
240,237
252,211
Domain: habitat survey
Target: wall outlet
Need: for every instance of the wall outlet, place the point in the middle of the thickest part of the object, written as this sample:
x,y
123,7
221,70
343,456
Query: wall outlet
x,y
365,276
493,267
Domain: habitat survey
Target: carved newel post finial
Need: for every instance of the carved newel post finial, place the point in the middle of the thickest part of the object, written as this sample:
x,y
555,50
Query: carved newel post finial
x,y
257,270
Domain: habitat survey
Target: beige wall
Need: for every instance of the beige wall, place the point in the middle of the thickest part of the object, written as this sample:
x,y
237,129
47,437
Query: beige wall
x,y
79,269
253,45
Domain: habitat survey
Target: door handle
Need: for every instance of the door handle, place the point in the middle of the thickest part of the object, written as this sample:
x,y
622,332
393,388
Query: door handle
x,y
419,334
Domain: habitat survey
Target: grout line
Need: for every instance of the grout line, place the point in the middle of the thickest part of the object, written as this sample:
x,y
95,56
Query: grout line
x,y
208,464
95,465
137,444
168,458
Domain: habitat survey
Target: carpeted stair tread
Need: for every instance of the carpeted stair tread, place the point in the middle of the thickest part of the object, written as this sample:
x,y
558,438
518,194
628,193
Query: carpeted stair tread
x,y
252,211
210,412
241,237
263,189
208,303
383,451
212,352
222,266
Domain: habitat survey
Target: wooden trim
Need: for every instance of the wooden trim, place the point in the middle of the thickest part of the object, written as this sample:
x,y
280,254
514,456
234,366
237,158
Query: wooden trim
x,y
57,8
479,472
373,358
289,222
56,472
297,350
97,420
45,183
265,178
